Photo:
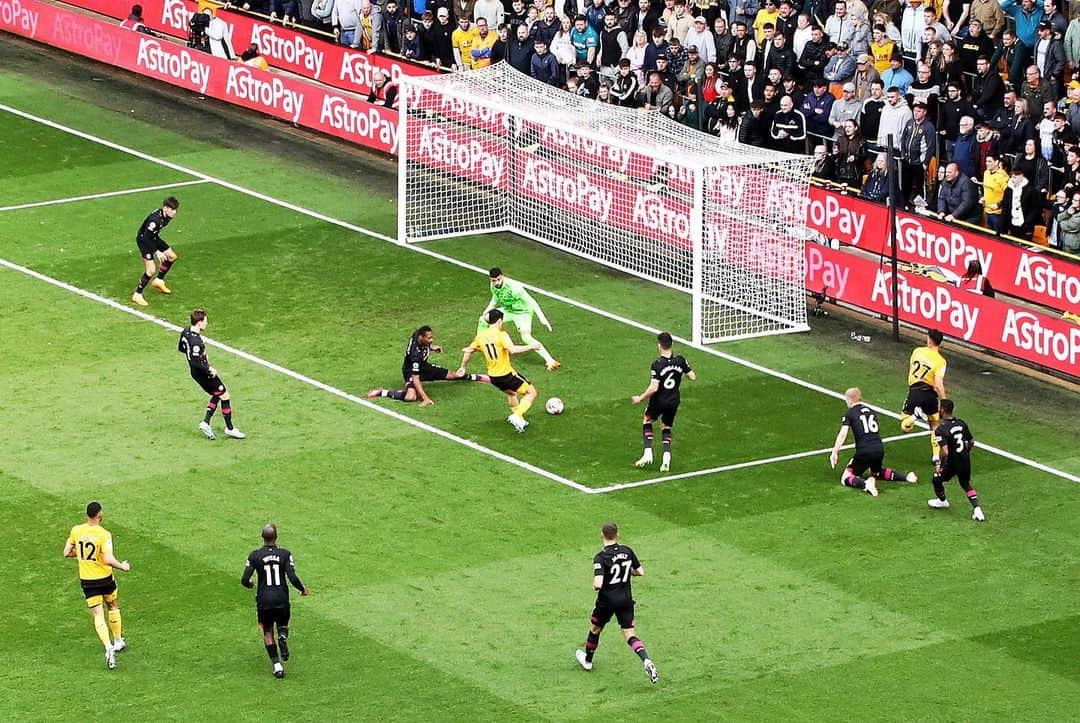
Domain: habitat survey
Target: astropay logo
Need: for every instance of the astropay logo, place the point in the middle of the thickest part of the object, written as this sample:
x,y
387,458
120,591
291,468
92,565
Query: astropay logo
x,y
566,188
336,113
175,15
358,69
86,37
825,274
176,63
609,156
294,50
242,84
1039,275
934,306
470,157
21,19
651,212
1024,329
828,215
951,251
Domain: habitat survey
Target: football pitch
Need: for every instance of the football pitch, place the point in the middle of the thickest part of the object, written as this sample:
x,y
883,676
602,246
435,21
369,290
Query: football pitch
x,y
450,558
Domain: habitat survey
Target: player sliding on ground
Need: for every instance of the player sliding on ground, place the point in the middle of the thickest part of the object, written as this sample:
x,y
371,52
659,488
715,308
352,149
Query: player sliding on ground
x,y
91,545
152,246
926,385
869,449
497,346
518,307
416,370
665,376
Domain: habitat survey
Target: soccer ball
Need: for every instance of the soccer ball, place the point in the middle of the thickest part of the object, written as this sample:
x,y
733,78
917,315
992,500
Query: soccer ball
x,y
554,406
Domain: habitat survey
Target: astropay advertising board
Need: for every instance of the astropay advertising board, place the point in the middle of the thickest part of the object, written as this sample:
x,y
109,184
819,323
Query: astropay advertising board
x,y
1038,276
1037,338
302,103
300,53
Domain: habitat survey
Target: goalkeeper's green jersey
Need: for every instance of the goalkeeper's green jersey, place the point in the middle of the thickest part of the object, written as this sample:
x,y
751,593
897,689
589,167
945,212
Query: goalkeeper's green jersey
x,y
511,297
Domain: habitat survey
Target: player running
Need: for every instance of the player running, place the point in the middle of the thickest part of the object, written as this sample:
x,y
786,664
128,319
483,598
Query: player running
x,y
497,347
926,385
613,567
665,376
275,569
193,348
955,443
152,246
869,449
518,307
91,545
416,370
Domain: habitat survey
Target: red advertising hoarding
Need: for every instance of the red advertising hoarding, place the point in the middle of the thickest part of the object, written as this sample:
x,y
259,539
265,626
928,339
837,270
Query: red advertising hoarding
x,y
302,103
300,53
1037,338
1041,277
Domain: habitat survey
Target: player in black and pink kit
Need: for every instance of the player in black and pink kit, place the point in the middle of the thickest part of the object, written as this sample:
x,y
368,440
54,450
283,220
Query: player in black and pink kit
x,y
665,378
193,348
416,369
612,569
869,449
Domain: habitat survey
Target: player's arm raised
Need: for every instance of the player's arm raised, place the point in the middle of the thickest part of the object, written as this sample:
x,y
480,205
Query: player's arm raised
x,y
841,437
649,391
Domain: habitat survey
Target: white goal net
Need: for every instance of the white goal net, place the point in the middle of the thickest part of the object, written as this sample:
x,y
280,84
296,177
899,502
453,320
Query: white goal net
x,y
493,150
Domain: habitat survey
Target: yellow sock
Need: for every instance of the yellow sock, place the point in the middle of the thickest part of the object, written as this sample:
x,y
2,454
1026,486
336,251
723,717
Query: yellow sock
x,y
102,629
522,408
114,624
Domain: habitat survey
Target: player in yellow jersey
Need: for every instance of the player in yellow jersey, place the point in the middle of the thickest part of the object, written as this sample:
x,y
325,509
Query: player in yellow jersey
x,y
91,545
497,347
926,385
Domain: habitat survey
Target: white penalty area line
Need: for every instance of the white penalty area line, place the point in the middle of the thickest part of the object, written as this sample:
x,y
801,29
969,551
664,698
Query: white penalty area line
x,y
301,378
108,194
743,465
462,264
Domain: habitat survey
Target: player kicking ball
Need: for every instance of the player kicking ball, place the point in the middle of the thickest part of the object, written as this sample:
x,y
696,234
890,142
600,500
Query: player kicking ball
x,y
416,370
497,346
869,449
193,348
665,377
518,307
152,246
954,440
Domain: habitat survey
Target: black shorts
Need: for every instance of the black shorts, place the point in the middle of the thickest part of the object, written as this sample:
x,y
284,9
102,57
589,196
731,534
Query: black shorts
x,y
664,411
958,467
512,382
269,617
602,613
147,248
428,373
872,460
104,586
211,383
923,398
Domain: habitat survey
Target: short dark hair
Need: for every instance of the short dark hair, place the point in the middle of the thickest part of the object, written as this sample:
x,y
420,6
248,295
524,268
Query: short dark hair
x,y
93,509
946,405
935,336
610,531
664,340
421,331
197,315
495,272
269,533
580,17
494,315
171,202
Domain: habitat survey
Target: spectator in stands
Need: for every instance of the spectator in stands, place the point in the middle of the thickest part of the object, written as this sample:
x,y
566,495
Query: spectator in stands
x,y
895,115
383,91
957,198
952,110
931,22
882,48
657,47
1069,226
787,22
694,70
1072,41
838,25
925,88
1046,131
594,14
917,146
748,87
841,67
865,74
1034,167
1026,17
1021,205
744,11
547,27
876,187
948,69
1059,24
655,95
322,12
897,76
636,55
676,55
1012,57
613,45
410,44
987,88
442,42
815,109
995,178
345,18
463,9
253,58
964,149
667,75
813,58
588,85
974,281
370,28
679,23
543,66
1072,111
1035,91
490,10
626,86
464,37
483,44
394,23
845,109
957,23
870,116
751,130
791,90
789,128
721,39
850,154
701,37
802,35
824,166
989,13
135,22
646,18
520,50
911,30
765,22
1049,55
974,45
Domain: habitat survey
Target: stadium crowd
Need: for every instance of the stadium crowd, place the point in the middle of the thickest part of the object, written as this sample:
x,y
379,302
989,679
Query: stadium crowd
x,y
981,98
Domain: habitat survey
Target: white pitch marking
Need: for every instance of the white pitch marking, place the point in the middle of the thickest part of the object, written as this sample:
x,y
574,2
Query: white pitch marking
x,y
551,295
108,194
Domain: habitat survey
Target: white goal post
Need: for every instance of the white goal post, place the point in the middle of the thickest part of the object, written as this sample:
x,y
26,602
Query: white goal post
x,y
494,150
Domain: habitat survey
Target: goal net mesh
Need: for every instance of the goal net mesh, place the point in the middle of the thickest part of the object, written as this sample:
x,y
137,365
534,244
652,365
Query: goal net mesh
x,y
493,150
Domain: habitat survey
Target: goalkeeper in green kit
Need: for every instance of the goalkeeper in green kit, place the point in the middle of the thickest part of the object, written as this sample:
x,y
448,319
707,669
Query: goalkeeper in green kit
x,y
518,307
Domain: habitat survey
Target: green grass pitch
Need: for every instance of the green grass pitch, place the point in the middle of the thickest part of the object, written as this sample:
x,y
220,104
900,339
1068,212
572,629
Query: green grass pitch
x,y
448,584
